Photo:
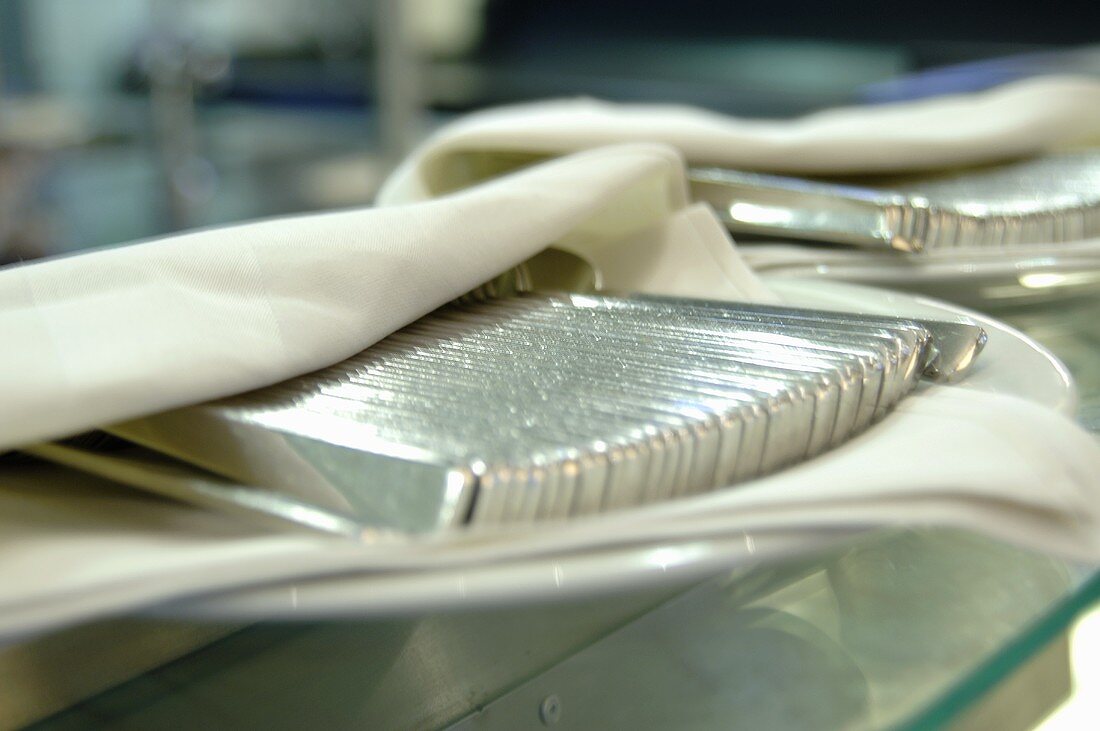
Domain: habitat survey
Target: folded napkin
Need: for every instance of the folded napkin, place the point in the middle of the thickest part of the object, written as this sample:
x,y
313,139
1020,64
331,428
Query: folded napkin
x,y
1014,120
123,332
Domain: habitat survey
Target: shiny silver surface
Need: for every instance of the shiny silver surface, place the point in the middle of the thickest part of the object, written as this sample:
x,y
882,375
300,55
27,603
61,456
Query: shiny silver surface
x,y
547,406
1044,200
955,345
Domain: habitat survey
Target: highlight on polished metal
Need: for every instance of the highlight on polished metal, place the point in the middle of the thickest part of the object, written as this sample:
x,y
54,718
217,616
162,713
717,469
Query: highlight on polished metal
x,y
547,406
1050,199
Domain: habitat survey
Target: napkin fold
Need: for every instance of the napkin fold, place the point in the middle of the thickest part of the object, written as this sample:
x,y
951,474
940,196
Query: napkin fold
x,y
1014,120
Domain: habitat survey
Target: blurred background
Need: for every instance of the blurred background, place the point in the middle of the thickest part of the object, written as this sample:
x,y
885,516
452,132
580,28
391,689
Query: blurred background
x,y
130,119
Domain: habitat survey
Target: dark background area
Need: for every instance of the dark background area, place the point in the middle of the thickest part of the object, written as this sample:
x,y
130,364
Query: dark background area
x,y
134,118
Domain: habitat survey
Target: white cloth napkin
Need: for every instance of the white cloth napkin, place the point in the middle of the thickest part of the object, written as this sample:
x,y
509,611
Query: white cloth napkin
x,y
1014,120
115,334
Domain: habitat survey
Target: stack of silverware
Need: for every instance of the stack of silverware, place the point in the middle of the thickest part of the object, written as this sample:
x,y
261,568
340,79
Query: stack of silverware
x,y
1045,200
547,406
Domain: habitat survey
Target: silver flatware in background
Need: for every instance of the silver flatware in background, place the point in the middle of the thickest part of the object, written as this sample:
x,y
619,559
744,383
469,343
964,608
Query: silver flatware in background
x,y
1050,199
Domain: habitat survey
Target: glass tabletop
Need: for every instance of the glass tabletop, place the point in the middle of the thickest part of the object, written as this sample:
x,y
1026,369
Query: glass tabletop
x,y
905,629
901,629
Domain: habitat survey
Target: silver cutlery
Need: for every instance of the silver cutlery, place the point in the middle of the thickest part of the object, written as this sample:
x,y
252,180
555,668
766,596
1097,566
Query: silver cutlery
x,y
547,406
1049,199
